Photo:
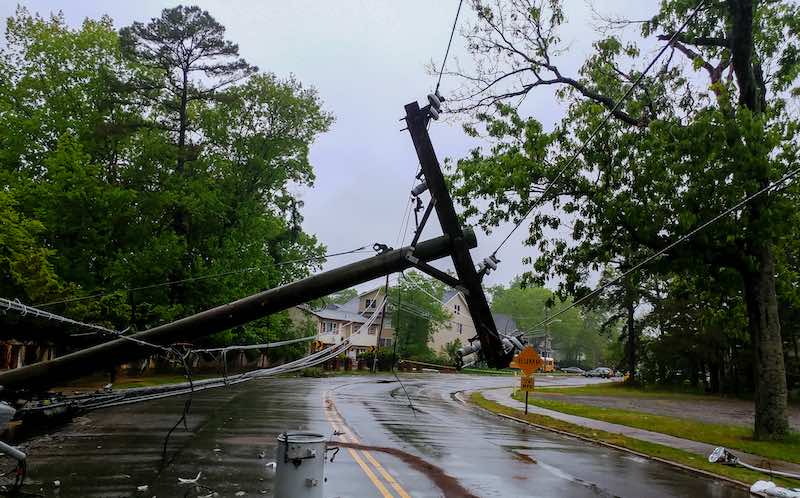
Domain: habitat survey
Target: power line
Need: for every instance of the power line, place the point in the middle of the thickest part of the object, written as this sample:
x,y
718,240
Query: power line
x,y
204,277
786,178
602,123
447,52
25,310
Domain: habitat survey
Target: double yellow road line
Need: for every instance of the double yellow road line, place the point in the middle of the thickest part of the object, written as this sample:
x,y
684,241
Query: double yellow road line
x,y
368,463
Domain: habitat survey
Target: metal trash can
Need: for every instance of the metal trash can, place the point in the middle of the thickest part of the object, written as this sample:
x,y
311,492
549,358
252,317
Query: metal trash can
x,y
300,465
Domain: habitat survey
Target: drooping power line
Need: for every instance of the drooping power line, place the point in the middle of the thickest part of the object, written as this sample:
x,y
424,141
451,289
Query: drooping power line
x,y
772,186
204,277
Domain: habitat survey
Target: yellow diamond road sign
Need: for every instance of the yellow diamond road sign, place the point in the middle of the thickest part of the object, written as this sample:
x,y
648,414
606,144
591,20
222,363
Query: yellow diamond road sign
x,y
528,360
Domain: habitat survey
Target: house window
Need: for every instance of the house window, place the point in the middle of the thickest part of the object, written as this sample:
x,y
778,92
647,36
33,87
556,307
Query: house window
x,y
460,328
330,328
385,343
373,329
370,304
457,309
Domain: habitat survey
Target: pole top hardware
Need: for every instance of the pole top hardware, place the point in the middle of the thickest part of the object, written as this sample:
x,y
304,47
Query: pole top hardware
x,y
435,104
380,248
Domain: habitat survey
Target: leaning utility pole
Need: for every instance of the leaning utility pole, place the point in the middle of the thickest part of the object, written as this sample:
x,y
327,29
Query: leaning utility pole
x,y
469,281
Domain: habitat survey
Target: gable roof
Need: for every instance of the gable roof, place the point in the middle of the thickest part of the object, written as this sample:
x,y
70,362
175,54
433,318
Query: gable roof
x,y
505,323
351,305
331,313
449,294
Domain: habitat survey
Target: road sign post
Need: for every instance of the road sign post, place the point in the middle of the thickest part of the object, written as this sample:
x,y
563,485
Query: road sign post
x,y
528,361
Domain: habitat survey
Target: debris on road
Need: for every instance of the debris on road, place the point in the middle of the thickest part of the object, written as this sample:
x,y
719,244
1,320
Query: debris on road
x,y
182,480
769,488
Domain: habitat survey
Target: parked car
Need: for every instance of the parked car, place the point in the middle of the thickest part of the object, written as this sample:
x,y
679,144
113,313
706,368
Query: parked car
x,y
603,372
573,370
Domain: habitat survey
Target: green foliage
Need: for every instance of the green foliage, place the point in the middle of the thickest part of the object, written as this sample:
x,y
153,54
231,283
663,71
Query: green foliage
x,y
25,268
581,336
315,372
691,141
417,313
342,296
450,355
119,174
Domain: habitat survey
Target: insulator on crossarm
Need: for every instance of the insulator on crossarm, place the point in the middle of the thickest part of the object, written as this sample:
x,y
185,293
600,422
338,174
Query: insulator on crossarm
x,y
436,101
419,189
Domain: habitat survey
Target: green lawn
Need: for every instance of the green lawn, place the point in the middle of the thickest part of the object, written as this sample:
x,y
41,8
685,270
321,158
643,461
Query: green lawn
x,y
733,437
618,389
655,450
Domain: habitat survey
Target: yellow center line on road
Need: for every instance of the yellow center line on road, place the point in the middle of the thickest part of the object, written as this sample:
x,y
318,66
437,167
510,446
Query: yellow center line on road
x,y
333,418
354,454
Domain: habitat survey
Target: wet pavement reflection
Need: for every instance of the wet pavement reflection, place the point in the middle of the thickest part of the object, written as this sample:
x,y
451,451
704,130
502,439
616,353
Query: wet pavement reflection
x,y
232,435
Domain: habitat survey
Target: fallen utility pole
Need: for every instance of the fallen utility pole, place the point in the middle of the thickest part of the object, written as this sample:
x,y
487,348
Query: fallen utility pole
x,y
468,279
86,361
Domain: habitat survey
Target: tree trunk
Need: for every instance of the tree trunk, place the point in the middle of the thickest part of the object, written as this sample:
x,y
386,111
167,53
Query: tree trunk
x,y
183,122
631,342
715,381
771,420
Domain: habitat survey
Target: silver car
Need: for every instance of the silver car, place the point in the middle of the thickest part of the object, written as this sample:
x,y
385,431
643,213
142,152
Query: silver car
x,y
603,372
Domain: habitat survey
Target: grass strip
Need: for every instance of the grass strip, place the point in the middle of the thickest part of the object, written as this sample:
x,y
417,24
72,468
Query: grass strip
x,y
620,390
730,436
658,451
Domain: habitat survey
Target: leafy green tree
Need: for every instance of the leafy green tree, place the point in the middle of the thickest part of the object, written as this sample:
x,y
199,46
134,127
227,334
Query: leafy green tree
x,y
451,355
89,147
191,61
25,268
188,63
676,154
576,334
417,312
343,296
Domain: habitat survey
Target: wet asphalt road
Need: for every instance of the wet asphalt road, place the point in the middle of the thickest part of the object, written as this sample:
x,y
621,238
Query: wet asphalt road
x,y
113,451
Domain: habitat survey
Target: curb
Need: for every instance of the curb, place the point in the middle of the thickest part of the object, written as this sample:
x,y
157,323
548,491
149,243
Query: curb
x,y
704,473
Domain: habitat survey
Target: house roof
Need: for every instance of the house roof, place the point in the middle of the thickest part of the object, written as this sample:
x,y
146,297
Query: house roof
x,y
449,294
350,306
504,323
335,312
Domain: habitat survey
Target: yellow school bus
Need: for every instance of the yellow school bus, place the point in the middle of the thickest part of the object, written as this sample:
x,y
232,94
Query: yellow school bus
x,y
549,365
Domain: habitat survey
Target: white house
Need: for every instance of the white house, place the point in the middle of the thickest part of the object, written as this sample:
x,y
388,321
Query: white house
x,y
336,322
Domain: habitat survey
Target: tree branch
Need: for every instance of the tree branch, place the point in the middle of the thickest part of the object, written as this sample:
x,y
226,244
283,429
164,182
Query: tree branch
x,y
697,41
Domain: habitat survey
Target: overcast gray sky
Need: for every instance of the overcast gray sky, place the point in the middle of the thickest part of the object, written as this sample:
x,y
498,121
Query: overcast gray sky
x,y
367,59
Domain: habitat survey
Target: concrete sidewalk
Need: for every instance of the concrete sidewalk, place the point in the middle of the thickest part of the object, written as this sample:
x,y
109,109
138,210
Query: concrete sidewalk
x,y
503,396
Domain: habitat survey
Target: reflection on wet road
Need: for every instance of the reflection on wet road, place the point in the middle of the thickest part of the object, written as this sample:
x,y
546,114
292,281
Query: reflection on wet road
x,y
443,448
